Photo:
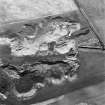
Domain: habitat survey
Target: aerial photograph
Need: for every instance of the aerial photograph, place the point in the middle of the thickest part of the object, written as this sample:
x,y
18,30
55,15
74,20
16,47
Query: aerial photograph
x,y
52,52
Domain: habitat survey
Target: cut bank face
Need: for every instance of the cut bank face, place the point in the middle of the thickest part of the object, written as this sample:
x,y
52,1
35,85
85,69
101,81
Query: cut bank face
x,y
39,43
